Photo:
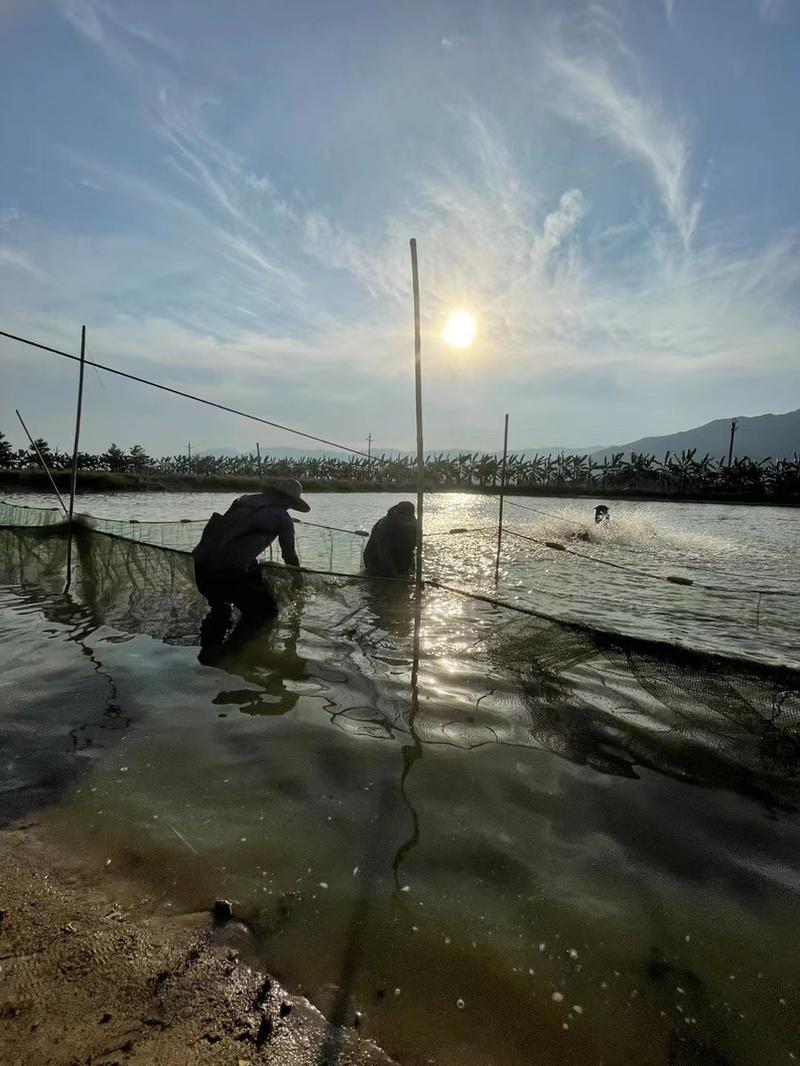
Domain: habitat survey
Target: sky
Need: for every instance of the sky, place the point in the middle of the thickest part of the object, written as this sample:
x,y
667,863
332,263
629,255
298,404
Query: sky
x,y
224,195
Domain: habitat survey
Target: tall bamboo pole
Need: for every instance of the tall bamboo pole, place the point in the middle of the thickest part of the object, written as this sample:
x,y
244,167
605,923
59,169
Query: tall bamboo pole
x,y
44,465
74,481
502,500
418,398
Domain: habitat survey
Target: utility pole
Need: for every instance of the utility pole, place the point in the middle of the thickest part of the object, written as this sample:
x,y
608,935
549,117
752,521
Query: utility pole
x,y
733,434
369,455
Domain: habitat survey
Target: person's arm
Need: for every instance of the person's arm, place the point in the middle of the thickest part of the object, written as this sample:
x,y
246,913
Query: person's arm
x,y
286,541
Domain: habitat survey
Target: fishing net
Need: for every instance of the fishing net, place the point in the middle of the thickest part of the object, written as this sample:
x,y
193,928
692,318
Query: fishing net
x,y
445,670
318,548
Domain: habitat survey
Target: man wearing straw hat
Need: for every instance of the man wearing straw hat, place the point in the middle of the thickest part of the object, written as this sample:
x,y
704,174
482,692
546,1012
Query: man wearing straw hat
x,y
226,559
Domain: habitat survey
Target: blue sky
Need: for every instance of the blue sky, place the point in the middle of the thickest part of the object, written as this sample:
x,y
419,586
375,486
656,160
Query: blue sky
x,y
224,195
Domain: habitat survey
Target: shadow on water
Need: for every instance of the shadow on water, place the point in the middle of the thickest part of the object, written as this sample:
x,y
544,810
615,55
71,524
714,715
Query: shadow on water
x,y
391,608
261,652
264,654
412,751
341,1013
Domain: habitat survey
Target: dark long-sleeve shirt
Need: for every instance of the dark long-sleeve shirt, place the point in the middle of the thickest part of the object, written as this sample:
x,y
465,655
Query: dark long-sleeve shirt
x,y
246,529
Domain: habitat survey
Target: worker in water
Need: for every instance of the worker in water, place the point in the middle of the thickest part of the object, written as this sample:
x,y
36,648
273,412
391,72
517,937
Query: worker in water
x,y
390,548
601,513
226,559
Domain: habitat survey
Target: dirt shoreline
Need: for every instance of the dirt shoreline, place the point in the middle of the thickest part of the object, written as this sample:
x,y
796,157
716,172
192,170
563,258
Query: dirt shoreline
x,y
89,974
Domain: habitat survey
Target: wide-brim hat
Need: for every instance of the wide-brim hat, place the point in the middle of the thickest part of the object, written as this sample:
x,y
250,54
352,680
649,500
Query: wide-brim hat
x,y
290,490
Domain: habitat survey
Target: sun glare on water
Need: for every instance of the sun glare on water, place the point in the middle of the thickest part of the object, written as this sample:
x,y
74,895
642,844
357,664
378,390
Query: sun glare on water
x,y
460,329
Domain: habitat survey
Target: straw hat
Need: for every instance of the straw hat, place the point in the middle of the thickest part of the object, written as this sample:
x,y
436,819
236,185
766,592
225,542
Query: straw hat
x,y
290,489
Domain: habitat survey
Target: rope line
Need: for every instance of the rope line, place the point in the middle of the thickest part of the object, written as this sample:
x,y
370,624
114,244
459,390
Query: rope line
x,y
186,395
534,510
585,627
671,579
459,529
318,525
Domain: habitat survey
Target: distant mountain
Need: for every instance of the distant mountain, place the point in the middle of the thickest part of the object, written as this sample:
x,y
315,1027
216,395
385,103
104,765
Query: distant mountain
x,y
775,436
552,452
225,453
274,453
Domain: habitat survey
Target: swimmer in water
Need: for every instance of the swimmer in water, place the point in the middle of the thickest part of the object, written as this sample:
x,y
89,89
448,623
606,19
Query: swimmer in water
x,y
601,514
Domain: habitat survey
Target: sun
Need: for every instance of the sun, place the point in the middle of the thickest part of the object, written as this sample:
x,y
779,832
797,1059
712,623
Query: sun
x,y
460,329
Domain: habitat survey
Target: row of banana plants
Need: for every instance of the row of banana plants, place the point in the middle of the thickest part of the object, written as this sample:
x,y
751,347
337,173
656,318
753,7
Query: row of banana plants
x,y
680,473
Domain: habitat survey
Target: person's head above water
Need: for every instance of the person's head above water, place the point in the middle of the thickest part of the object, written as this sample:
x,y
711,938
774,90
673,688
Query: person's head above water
x,y
601,513
287,491
403,511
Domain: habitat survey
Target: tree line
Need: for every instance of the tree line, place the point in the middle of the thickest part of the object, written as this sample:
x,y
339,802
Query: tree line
x,y
679,473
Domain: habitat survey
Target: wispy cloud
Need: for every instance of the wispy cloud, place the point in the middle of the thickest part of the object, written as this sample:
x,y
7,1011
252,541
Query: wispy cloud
x,y
103,23
558,225
776,10
89,183
9,217
592,94
10,259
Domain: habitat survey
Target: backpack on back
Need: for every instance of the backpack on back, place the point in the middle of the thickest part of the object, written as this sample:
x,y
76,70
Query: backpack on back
x,y
220,530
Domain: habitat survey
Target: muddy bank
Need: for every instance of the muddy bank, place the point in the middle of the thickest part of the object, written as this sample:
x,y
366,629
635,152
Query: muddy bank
x,y
88,974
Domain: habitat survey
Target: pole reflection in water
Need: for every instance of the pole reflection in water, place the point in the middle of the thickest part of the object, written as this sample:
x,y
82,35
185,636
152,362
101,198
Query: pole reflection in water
x,y
412,751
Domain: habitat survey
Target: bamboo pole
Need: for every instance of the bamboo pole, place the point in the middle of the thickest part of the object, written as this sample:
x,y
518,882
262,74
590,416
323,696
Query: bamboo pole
x,y
502,500
74,481
45,466
418,401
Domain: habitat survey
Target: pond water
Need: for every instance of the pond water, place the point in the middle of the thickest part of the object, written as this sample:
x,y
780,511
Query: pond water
x,y
735,548
504,843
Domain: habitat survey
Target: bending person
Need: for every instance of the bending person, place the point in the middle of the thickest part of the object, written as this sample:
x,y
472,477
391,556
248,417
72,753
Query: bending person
x,y
390,548
226,559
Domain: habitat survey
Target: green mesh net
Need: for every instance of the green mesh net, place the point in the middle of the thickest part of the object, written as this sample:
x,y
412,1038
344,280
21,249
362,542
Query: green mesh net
x,y
317,547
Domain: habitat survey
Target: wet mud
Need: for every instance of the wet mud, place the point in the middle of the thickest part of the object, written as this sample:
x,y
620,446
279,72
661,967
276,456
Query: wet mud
x,y
88,974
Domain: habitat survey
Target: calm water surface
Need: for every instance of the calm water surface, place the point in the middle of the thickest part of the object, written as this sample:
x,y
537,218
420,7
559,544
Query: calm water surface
x,y
495,864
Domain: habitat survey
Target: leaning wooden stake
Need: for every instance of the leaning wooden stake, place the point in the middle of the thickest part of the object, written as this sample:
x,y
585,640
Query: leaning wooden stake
x,y
74,481
502,499
418,394
44,465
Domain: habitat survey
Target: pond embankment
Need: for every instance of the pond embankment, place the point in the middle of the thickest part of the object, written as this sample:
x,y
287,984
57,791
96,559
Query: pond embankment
x,y
34,480
91,974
